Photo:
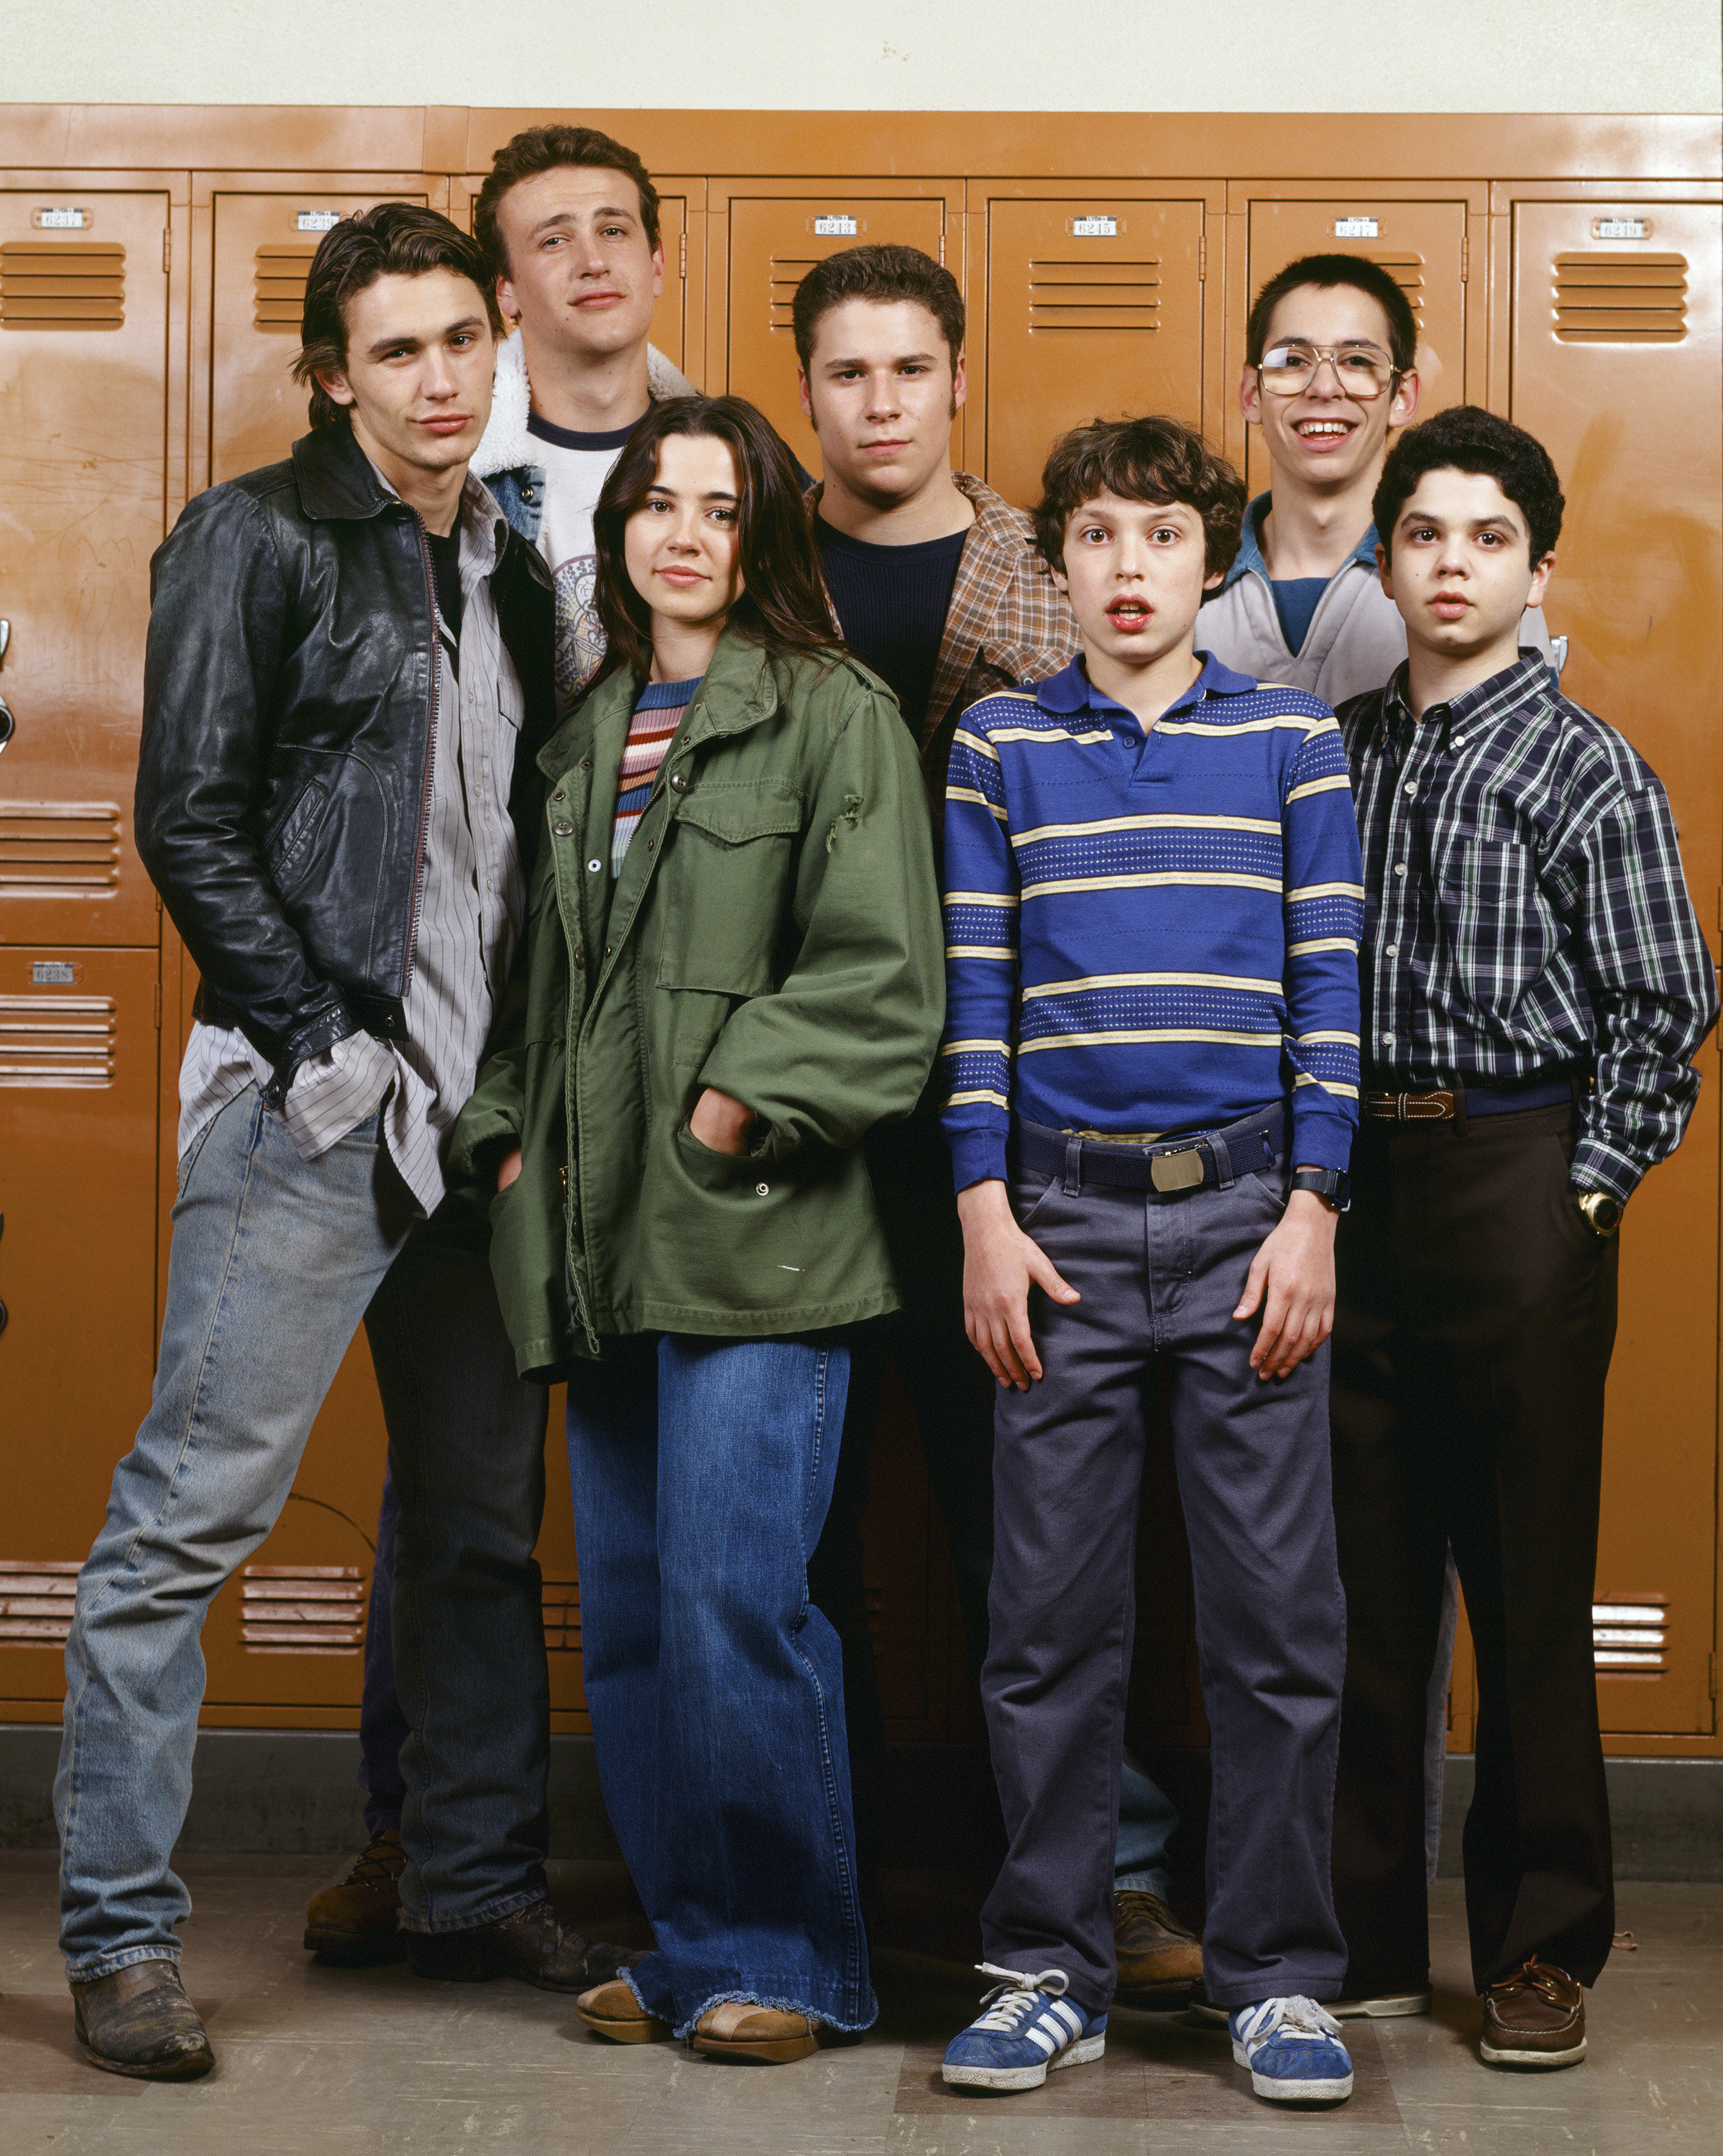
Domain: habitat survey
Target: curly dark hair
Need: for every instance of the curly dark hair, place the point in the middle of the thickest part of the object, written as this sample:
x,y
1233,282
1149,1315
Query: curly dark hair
x,y
542,150
1156,459
1325,272
882,274
1468,439
393,240
782,605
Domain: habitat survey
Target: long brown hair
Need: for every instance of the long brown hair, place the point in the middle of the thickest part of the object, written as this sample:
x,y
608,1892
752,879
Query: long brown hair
x,y
782,606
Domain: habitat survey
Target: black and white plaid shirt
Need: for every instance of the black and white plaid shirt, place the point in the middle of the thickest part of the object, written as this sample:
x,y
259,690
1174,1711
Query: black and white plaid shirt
x,y
1525,911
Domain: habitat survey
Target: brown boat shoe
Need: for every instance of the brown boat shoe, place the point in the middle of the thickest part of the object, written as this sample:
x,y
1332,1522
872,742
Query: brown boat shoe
x,y
353,1923
737,2028
1534,2017
1159,1960
613,2011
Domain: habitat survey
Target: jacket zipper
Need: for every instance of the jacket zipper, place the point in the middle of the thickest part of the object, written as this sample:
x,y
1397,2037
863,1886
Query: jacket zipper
x,y
430,756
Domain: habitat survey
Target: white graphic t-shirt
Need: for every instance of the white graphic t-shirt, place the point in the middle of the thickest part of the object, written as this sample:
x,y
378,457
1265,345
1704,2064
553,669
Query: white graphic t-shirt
x,y
575,468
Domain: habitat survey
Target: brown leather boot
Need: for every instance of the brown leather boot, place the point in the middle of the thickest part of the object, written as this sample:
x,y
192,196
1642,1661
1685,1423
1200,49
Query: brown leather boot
x,y
140,2022
532,1943
737,2029
354,1924
613,2011
1159,1960
1534,2017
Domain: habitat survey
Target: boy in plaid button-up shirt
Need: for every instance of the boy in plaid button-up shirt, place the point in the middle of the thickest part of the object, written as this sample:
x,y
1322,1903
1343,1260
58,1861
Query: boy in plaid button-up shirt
x,y
1535,985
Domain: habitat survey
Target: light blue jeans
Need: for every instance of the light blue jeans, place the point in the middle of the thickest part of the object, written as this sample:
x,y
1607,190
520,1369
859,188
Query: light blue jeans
x,y
275,1261
702,1472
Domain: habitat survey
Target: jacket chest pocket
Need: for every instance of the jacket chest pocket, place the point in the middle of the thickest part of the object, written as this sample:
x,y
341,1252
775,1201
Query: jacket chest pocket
x,y
728,881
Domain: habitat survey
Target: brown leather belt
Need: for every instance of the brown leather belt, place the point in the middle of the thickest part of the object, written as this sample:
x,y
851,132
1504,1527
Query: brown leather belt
x,y
1437,1107
1442,1104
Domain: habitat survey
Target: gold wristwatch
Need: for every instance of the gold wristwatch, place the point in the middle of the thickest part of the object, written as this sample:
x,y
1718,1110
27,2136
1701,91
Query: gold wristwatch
x,y
1602,1211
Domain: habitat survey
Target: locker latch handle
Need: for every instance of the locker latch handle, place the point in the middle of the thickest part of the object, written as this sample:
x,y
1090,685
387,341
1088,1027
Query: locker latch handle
x,y
8,725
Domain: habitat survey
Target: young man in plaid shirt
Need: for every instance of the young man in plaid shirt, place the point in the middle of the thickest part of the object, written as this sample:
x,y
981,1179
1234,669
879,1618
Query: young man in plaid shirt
x,y
1535,985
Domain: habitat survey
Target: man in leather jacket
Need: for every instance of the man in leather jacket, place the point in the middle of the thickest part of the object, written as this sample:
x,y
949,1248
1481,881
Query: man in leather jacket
x,y
348,674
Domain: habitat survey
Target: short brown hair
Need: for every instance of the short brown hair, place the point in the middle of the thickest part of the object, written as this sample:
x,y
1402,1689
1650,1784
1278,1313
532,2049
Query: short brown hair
x,y
1158,460
543,149
782,605
883,274
1326,273
393,240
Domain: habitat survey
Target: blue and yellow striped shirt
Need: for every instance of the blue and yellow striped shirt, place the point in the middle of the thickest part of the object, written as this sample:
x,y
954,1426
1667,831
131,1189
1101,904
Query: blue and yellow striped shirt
x,y
1149,935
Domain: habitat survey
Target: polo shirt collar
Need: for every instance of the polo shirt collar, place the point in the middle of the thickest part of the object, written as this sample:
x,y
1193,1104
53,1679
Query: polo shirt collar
x,y
1250,546
1071,689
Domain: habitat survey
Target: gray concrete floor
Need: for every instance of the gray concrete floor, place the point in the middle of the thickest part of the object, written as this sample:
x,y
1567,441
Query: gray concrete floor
x,y
350,2062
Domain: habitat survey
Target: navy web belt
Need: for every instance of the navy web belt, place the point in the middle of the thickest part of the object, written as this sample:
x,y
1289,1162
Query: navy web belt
x,y
1169,1167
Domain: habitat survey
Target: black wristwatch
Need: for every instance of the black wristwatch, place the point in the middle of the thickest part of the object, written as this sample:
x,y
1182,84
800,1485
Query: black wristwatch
x,y
1332,1185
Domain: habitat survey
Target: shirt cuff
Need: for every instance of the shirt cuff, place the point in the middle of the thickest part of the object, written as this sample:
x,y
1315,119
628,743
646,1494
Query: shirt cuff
x,y
976,1156
1600,1166
1321,1136
335,1091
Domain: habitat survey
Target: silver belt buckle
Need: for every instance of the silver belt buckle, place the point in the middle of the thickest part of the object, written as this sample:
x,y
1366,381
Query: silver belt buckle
x,y
1176,1171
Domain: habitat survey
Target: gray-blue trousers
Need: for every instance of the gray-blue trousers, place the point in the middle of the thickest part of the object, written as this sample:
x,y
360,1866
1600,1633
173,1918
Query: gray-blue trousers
x,y
1160,1275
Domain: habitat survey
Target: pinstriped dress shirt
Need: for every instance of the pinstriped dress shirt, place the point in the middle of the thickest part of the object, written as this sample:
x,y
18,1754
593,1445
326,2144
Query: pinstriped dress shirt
x,y
472,905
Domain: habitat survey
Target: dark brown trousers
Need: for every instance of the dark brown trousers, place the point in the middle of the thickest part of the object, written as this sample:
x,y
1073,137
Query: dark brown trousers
x,y
1472,1339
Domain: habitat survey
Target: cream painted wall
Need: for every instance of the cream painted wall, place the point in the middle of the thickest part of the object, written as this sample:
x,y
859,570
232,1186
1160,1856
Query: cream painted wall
x,y
977,55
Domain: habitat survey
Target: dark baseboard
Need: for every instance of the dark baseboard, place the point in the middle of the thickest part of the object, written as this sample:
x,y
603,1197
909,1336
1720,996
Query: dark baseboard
x,y
293,1791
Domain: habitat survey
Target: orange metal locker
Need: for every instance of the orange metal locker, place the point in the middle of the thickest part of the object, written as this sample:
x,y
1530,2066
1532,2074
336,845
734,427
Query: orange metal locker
x,y
83,492
78,1040
1094,306
1618,337
263,245
770,234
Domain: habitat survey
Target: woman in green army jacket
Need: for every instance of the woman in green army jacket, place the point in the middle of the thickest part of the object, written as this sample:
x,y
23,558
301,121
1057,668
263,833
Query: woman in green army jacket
x,y
733,969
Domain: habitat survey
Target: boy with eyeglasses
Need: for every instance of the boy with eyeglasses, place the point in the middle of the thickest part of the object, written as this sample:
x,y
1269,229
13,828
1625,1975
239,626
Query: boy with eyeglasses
x,y
1330,374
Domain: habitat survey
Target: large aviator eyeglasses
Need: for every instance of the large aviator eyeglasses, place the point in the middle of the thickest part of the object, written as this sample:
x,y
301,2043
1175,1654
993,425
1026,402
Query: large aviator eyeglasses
x,y
1363,371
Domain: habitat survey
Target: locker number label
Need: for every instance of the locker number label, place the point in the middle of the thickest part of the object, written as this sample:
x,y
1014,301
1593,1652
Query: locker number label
x,y
1095,228
52,973
835,228
60,220
1357,228
1621,227
317,220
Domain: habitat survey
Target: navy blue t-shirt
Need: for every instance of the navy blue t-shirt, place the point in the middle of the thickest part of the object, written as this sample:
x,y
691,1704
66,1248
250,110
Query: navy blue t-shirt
x,y
890,605
1295,601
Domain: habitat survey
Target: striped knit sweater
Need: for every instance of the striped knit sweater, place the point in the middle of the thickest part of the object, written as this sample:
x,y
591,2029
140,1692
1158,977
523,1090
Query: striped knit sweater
x,y
1154,936
651,732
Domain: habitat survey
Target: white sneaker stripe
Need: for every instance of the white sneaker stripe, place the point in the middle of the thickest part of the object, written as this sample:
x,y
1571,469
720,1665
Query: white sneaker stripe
x,y
1043,2043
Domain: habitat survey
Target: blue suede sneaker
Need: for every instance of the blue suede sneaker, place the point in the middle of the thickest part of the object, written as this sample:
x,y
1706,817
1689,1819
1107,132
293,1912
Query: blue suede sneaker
x,y
1293,2049
1029,2028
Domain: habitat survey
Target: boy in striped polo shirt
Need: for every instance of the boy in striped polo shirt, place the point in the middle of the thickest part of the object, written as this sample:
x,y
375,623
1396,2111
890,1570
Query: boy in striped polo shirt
x,y
1153,899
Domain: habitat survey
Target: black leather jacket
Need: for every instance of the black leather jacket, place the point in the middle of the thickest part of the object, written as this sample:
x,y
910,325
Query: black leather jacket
x,y
284,775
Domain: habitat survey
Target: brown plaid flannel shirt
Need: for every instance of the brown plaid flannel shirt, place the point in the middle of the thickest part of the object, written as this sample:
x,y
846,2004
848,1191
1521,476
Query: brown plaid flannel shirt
x,y
1008,622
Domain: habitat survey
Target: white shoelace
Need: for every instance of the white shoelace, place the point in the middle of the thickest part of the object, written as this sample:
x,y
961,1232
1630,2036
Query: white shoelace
x,y
1020,1995
1298,2017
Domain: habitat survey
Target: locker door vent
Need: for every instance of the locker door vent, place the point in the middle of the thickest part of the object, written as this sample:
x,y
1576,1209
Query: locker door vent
x,y
1087,294
57,1040
281,272
562,1616
62,285
1621,299
53,849
36,1604
1631,1636
301,1609
1407,271
783,277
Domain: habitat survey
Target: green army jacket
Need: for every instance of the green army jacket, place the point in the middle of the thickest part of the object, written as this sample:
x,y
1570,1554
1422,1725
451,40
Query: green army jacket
x,y
774,933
